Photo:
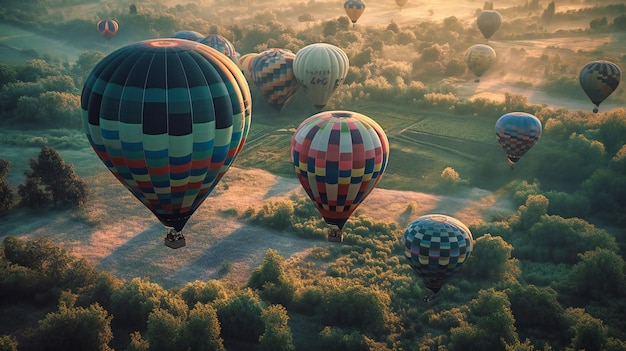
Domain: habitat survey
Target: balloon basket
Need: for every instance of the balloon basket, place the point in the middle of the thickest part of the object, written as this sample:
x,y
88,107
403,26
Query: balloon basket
x,y
429,298
176,244
335,235
174,239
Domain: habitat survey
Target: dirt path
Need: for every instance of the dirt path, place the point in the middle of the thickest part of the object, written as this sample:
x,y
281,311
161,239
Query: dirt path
x,y
119,235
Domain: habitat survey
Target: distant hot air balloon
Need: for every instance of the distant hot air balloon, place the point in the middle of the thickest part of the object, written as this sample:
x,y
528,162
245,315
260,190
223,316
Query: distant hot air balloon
x,y
354,9
488,22
437,246
320,69
517,132
108,28
245,62
339,157
188,34
220,44
272,73
401,3
599,79
479,58
168,118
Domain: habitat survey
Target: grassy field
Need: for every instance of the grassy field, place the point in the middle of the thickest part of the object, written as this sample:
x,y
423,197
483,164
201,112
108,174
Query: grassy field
x,y
422,144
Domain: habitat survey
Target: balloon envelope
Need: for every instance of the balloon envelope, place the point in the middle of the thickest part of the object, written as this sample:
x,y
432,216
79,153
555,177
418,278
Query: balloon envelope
x,y
320,70
437,246
517,132
167,117
272,73
599,79
220,44
354,9
488,22
479,58
339,157
108,28
401,3
245,63
188,34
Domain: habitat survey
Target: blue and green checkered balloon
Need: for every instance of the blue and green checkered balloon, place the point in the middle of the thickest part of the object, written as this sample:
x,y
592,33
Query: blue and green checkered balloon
x,y
168,118
437,246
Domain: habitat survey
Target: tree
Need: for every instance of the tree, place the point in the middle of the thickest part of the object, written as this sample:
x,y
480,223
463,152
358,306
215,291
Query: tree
x,y
137,343
203,292
163,330
600,274
449,177
530,213
242,309
272,281
8,343
58,178
548,13
490,324
536,309
598,23
202,330
132,303
590,334
75,328
336,339
277,335
31,194
560,240
6,194
356,307
7,74
491,259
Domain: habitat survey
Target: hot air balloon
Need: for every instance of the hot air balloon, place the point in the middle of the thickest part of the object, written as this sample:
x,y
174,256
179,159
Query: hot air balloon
x,y
599,79
401,3
479,58
488,22
245,62
272,73
188,34
354,9
437,246
108,28
320,70
168,118
220,44
339,158
517,132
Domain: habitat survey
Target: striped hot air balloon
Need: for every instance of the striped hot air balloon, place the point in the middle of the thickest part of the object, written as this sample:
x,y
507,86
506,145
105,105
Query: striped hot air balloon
x,y
437,246
339,157
168,118
220,44
108,28
599,79
272,73
517,132
245,63
188,34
